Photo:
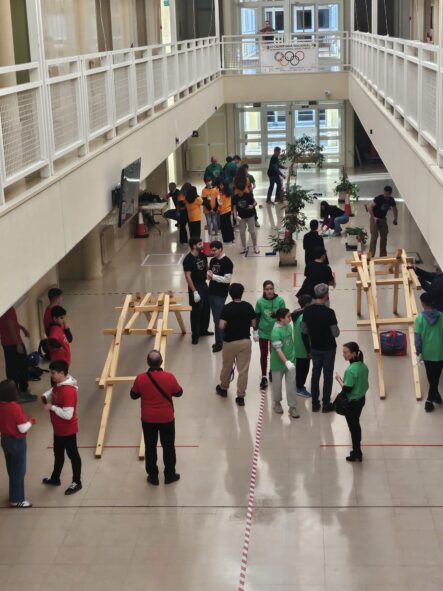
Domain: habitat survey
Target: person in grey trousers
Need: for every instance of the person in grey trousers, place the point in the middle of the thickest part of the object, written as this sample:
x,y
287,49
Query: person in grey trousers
x,y
319,331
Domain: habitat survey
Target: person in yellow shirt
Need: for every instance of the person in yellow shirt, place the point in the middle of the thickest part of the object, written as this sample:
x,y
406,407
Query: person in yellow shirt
x,y
210,207
193,207
225,209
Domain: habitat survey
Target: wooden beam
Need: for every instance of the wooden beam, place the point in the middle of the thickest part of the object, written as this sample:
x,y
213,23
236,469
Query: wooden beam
x,y
155,307
397,280
104,421
359,290
102,379
377,273
180,321
379,261
373,286
119,380
373,322
386,321
136,314
381,377
363,277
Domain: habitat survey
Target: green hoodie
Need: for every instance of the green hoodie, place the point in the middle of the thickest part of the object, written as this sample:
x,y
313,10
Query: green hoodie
x,y
265,308
282,336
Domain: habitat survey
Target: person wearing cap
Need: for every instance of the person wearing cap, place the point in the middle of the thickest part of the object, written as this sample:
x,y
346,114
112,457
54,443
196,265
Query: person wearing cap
x,y
319,330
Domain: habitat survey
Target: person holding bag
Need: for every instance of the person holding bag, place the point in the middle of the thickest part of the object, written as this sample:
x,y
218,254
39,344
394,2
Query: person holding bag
x,y
351,400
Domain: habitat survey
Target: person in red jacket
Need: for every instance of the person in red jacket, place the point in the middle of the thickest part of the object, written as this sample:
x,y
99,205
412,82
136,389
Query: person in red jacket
x,y
14,426
59,336
61,402
55,297
156,388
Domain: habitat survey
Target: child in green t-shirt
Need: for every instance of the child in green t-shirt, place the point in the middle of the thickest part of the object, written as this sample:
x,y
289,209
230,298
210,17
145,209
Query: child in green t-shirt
x,y
302,360
282,362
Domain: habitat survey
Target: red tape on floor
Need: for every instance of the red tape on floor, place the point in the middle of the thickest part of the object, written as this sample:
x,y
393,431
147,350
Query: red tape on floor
x,y
384,445
120,446
251,496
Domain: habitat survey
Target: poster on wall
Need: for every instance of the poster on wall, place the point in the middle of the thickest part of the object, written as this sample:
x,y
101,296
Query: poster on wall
x,y
289,57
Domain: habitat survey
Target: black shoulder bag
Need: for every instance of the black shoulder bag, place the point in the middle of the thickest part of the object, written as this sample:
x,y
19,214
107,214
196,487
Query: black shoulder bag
x,y
160,389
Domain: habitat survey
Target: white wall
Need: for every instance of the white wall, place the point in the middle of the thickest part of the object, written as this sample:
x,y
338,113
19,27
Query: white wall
x,y
419,180
39,232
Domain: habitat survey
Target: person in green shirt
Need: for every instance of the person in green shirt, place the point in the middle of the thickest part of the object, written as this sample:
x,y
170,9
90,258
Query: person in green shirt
x,y
265,309
428,333
282,362
354,384
213,170
230,170
302,357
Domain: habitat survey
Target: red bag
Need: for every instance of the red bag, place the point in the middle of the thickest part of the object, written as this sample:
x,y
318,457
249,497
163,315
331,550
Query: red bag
x,y
393,343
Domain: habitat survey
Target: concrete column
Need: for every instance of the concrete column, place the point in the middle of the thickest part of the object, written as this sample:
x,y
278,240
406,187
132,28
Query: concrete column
x,y
349,135
351,16
374,17
92,254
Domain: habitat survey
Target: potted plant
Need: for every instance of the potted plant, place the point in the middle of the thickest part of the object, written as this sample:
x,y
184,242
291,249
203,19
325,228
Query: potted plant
x,y
345,187
302,152
358,236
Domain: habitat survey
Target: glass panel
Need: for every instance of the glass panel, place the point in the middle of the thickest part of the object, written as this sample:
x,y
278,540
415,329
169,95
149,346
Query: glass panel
x,y
248,21
305,123
328,17
303,19
275,16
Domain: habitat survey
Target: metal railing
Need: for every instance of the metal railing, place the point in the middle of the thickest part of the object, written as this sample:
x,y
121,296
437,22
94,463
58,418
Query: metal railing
x,y
406,76
245,54
67,103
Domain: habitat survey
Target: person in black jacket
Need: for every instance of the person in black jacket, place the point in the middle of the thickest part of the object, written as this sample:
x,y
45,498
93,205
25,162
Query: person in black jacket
x,y
311,241
333,217
433,284
317,271
274,174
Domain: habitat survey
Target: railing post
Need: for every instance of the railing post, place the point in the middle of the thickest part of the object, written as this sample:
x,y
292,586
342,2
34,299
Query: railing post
x,y
132,89
111,94
2,167
84,107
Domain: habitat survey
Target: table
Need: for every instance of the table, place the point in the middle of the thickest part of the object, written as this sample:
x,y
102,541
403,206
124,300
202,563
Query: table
x,y
155,209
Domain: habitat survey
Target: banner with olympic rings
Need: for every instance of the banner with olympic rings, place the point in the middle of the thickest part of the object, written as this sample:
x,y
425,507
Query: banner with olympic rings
x,y
289,57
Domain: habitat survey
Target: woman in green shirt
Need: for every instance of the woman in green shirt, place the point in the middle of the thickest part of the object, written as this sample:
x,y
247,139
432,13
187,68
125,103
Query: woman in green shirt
x,y
282,362
265,309
355,385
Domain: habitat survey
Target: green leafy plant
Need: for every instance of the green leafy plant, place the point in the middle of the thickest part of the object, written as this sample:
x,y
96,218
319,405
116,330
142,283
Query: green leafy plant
x,y
294,219
302,152
359,233
344,185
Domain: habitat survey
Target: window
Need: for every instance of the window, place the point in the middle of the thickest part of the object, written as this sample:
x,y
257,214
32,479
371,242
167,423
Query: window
x,y
328,17
305,118
303,19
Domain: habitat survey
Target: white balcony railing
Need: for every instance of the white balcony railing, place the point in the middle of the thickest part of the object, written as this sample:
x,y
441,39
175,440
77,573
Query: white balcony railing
x,y
406,77
244,54
69,102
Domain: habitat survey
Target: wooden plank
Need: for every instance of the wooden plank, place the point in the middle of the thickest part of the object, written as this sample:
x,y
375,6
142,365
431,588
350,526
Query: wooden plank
x,y
359,291
413,301
119,380
172,308
101,382
136,315
363,277
381,377
415,373
112,371
373,286
377,273
397,279
386,321
373,322
379,261
388,281
180,321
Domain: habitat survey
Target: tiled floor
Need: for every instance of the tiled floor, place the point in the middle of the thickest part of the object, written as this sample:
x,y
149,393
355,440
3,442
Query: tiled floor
x,y
318,524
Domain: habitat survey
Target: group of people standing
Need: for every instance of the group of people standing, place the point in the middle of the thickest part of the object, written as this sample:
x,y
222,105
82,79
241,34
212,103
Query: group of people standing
x,y
60,400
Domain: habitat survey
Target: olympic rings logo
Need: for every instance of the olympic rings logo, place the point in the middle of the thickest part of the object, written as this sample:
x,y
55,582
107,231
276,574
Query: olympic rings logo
x,y
286,58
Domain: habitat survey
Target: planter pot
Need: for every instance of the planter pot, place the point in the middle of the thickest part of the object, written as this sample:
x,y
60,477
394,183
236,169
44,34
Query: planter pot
x,y
287,259
342,196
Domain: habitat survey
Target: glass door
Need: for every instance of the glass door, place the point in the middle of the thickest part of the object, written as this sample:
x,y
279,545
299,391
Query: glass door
x,y
250,133
276,122
330,134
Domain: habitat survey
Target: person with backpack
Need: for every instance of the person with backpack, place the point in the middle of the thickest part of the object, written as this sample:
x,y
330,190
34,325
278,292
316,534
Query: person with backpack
x,y
282,362
265,309
428,336
61,402
354,386
155,389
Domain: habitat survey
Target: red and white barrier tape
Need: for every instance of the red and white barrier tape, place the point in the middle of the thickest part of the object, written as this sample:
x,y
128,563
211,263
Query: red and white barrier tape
x,y
251,496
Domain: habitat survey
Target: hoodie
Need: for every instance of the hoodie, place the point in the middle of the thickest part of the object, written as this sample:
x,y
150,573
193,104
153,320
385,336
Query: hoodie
x,y
265,310
63,400
428,333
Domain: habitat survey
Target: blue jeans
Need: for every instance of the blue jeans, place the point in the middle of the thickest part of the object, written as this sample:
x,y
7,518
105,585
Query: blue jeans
x,y
212,220
217,303
15,456
322,360
342,219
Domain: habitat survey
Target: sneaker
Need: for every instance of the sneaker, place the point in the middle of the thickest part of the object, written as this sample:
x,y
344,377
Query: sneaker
x,y
73,488
437,398
171,479
240,400
194,340
21,505
257,224
257,251
243,251
217,347
429,407
328,407
221,391
352,457
263,383
293,413
51,482
278,409
208,333
303,393
153,480
316,406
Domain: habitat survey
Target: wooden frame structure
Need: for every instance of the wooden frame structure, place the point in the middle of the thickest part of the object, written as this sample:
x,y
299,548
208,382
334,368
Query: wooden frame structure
x,y
157,312
399,276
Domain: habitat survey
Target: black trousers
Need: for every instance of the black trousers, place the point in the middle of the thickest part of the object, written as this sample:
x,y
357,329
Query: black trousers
x,y
195,229
66,443
16,365
274,180
200,313
301,371
433,372
167,440
353,420
183,220
226,227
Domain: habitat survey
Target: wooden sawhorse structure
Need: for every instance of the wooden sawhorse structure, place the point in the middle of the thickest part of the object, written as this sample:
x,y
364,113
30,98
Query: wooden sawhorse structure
x,y
399,276
157,312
